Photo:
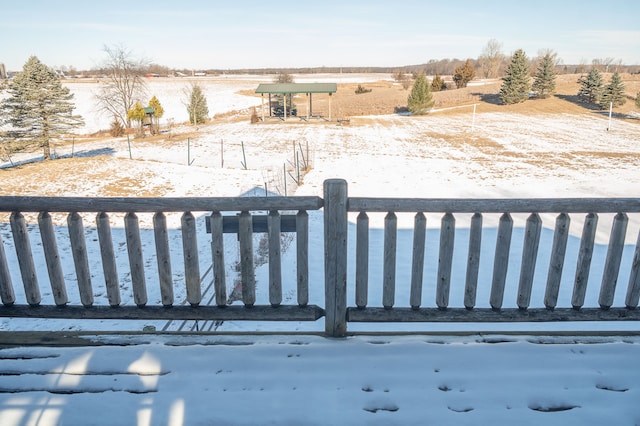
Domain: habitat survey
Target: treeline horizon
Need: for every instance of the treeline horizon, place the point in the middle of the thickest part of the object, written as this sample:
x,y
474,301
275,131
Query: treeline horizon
x,y
432,67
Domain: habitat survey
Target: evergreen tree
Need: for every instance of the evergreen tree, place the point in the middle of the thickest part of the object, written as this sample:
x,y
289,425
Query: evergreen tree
x,y
420,100
196,104
515,84
590,87
464,74
544,82
438,84
38,108
137,114
158,112
613,93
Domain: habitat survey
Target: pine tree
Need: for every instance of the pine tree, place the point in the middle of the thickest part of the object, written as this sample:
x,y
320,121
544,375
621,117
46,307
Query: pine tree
x,y
515,84
590,87
464,74
38,108
196,104
438,84
613,93
544,82
420,100
158,112
137,114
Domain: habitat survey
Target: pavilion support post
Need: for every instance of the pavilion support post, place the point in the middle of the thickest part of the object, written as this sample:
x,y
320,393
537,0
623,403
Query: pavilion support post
x,y
309,109
284,97
262,106
269,104
329,106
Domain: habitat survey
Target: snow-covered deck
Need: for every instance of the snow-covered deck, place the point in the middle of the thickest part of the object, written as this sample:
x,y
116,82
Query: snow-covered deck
x,y
313,380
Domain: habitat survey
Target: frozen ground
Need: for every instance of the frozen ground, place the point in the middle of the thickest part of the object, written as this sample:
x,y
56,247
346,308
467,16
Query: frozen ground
x,y
309,380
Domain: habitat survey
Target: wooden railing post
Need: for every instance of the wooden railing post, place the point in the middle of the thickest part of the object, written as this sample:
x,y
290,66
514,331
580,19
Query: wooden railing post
x,y
335,257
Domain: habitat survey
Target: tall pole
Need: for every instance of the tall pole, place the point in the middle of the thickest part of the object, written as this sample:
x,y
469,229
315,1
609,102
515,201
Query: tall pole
x,y
610,111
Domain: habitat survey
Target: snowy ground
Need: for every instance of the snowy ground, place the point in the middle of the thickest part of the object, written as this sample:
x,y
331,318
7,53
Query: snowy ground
x,y
311,380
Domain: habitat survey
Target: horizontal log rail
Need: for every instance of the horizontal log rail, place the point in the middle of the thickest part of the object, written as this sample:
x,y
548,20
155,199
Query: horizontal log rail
x,y
155,205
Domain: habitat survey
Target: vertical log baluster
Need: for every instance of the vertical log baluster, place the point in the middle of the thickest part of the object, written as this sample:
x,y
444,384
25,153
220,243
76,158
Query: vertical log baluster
x,y
6,286
245,233
302,257
389,261
445,260
584,260
417,259
108,259
612,262
501,261
52,259
25,258
473,261
80,257
275,261
217,253
633,290
362,260
556,261
529,257
163,255
136,264
191,262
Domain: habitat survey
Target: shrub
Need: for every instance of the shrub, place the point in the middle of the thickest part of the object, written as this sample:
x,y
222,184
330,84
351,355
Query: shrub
x,y
361,89
254,116
116,129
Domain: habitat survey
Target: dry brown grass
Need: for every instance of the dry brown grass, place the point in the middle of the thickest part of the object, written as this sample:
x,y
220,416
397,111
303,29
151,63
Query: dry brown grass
x,y
385,96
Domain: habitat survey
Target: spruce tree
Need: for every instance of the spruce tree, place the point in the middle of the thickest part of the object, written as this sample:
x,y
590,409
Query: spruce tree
x,y
544,82
420,100
38,108
515,84
196,104
590,87
613,93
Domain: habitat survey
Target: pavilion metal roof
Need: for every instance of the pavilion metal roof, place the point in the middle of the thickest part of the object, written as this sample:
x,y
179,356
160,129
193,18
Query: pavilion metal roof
x,y
288,88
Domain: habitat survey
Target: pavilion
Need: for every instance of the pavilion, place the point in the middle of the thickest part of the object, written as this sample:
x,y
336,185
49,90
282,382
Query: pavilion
x,y
290,89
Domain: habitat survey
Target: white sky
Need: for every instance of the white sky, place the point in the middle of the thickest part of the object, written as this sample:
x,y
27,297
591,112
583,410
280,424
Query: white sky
x,y
255,34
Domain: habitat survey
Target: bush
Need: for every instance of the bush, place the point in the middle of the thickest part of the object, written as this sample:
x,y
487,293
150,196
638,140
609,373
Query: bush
x,y
254,116
361,89
116,129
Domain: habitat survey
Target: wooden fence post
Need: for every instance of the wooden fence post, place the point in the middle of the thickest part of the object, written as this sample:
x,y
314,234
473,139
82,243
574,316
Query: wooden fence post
x,y
335,257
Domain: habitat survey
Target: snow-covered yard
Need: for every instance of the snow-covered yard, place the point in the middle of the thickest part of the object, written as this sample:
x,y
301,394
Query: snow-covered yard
x,y
313,380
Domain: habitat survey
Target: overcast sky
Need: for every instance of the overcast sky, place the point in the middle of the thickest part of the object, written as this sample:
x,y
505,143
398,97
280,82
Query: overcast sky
x,y
207,34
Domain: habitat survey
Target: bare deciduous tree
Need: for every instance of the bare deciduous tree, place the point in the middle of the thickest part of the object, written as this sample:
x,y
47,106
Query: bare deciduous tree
x,y
491,59
124,85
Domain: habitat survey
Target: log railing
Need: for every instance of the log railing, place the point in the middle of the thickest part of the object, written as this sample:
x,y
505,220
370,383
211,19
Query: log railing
x,y
244,216
496,312
89,308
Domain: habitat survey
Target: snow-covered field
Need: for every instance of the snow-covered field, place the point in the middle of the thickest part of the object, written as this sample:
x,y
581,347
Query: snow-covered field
x,y
309,380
